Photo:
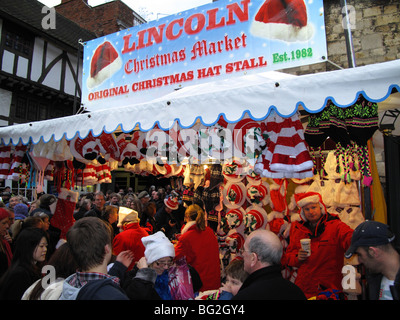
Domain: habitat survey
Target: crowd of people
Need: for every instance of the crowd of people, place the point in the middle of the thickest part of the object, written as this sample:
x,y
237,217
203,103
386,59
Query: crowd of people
x,y
126,245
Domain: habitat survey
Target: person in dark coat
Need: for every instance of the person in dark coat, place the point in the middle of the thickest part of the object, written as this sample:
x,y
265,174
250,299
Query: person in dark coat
x,y
169,219
148,221
25,269
99,206
262,252
45,203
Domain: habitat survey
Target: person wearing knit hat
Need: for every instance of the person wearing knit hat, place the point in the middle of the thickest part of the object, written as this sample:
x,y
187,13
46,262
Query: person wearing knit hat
x,y
149,280
130,236
171,203
47,204
170,217
21,211
158,246
144,198
320,266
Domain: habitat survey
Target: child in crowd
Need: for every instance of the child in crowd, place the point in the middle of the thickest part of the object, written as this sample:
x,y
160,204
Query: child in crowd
x,y
235,276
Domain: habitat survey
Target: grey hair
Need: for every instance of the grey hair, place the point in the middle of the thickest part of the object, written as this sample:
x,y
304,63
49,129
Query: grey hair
x,y
267,252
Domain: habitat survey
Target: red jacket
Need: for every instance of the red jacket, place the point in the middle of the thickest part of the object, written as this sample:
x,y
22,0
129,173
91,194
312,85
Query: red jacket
x,y
202,252
130,239
328,245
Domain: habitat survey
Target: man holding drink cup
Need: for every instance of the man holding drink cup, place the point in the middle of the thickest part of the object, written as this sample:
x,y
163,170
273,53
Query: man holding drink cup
x,y
317,245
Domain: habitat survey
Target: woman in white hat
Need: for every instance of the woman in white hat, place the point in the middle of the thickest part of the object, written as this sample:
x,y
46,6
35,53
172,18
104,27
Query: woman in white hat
x,y
149,279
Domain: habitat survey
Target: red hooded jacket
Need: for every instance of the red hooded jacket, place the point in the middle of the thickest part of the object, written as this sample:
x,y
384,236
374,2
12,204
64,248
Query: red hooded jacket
x,y
130,239
323,268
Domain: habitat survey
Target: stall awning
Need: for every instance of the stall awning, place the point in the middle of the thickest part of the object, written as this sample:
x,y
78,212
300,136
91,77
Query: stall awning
x,y
254,95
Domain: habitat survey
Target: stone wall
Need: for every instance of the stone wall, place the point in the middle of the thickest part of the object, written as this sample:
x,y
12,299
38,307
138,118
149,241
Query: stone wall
x,y
375,33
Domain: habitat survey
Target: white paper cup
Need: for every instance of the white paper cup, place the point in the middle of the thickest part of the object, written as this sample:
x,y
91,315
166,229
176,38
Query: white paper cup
x,y
306,245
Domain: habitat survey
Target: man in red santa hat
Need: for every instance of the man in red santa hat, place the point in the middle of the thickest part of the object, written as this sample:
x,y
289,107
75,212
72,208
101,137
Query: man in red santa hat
x,y
319,269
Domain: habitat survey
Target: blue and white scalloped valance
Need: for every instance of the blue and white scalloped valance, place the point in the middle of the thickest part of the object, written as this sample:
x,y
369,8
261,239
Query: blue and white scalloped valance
x,y
253,96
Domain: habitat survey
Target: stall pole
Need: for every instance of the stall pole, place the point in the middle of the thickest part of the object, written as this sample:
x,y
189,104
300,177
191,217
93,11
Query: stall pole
x,y
347,34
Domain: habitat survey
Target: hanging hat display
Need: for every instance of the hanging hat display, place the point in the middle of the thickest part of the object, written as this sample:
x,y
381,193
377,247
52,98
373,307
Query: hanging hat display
x,y
5,161
337,129
277,193
258,194
235,241
255,218
362,120
216,176
276,222
361,126
283,20
347,194
286,154
313,134
350,215
246,135
19,163
234,194
128,149
234,217
253,177
233,171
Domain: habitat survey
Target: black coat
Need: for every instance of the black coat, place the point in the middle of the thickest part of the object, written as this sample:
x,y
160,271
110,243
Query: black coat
x,y
162,218
268,284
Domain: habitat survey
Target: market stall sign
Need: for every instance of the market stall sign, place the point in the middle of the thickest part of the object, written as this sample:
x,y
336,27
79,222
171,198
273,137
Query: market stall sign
x,y
215,41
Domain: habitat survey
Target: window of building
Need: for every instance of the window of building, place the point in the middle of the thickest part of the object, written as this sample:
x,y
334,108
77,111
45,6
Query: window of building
x,y
16,40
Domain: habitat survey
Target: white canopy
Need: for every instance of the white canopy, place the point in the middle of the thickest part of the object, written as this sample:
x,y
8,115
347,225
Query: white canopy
x,y
255,95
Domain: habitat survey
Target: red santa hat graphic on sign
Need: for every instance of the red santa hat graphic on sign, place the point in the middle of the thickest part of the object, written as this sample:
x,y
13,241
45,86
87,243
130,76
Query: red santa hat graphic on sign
x,y
105,62
283,20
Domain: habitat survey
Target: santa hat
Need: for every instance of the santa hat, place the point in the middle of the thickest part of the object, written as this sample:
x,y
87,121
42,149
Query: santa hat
x,y
105,62
234,217
171,203
234,195
3,213
283,20
286,154
233,171
157,246
235,240
21,211
5,161
258,194
254,219
307,198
